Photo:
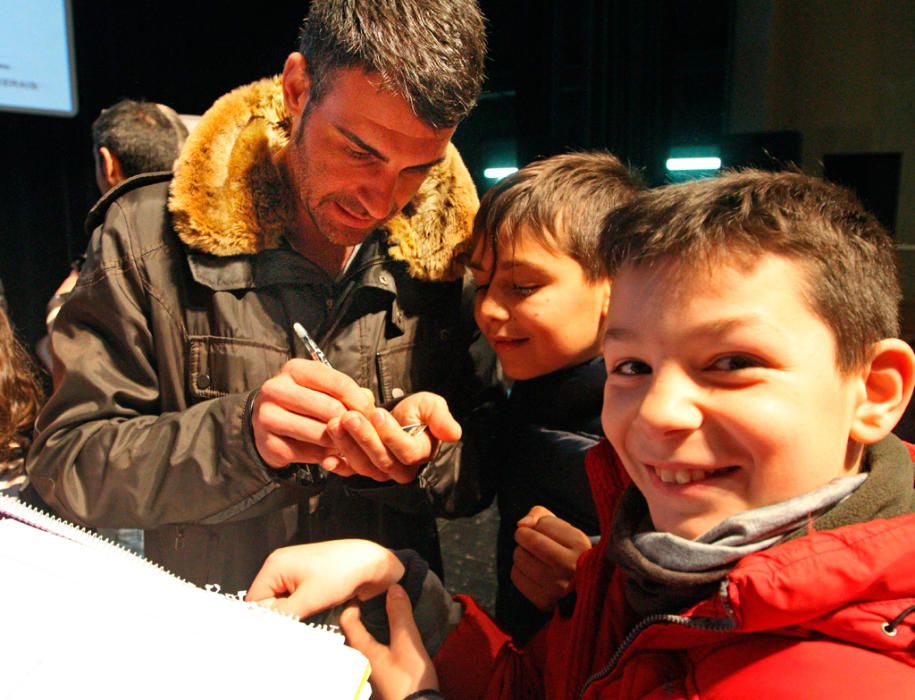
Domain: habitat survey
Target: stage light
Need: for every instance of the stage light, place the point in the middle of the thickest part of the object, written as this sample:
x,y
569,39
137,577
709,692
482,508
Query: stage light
x,y
696,163
498,173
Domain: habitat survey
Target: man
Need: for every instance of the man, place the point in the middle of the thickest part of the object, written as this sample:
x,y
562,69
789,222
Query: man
x,y
331,197
133,137
128,138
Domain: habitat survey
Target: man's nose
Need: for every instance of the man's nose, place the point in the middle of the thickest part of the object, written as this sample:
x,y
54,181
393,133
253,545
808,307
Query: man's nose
x,y
383,195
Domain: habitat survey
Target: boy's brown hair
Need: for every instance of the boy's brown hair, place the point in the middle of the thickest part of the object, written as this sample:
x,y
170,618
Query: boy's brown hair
x,y
560,201
851,284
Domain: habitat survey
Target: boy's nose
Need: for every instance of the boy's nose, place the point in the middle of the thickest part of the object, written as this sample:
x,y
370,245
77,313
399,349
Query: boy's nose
x,y
490,308
670,405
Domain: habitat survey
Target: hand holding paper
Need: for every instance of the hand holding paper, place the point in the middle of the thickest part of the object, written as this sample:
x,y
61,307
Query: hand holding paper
x,y
305,579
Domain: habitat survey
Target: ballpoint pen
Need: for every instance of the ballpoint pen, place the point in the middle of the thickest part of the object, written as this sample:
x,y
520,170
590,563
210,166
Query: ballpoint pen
x,y
318,355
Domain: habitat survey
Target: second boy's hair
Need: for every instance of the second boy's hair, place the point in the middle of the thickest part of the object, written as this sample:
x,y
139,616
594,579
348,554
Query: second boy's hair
x,y
851,280
560,201
140,135
430,52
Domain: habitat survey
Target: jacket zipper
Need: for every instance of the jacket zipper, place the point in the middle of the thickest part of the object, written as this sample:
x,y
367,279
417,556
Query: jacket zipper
x,y
703,623
337,312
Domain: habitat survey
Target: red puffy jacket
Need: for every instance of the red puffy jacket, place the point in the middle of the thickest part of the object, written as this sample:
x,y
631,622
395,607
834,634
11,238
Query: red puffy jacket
x,y
828,615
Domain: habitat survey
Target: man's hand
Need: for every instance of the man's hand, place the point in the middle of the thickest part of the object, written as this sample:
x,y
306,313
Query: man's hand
x,y
401,668
292,409
546,556
306,579
376,446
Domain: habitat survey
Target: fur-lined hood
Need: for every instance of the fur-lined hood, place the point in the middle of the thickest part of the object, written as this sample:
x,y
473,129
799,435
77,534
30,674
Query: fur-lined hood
x,y
228,198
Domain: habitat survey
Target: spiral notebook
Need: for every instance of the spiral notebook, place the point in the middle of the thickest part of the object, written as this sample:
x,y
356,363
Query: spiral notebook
x,y
81,617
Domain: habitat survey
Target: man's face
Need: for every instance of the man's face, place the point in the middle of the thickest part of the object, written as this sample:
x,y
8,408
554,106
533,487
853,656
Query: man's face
x,y
536,307
723,392
356,158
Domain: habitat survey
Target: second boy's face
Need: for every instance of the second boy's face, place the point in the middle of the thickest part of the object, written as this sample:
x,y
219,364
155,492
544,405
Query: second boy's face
x,y
536,308
723,393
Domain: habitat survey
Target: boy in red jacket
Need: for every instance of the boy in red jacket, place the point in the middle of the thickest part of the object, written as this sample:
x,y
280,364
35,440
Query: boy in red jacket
x,y
764,546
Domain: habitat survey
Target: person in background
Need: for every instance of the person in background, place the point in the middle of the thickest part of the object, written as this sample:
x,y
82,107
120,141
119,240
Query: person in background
x,y
541,302
128,138
21,396
329,197
133,137
763,545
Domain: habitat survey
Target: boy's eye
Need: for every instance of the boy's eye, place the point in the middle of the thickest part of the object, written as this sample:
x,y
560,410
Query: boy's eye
x,y
733,363
481,288
631,368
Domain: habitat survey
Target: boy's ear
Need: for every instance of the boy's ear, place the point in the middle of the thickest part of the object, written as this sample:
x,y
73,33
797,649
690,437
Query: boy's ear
x,y
889,379
296,83
605,309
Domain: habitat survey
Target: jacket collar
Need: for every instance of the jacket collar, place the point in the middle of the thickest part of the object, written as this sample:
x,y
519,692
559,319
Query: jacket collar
x,y
228,199
284,266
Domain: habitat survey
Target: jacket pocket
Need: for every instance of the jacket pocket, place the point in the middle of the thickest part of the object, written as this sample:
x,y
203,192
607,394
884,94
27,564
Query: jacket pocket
x,y
221,366
421,362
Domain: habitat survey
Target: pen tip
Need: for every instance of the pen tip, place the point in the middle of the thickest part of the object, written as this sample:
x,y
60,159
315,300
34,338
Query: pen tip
x,y
298,328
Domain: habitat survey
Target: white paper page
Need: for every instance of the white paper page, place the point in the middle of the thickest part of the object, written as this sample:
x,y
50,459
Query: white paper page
x,y
92,620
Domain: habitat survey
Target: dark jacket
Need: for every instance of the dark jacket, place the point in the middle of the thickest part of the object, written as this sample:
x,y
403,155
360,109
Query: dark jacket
x,y
185,307
549,423
828,614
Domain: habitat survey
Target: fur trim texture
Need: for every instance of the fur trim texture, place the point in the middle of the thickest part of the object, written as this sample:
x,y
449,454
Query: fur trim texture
x,y
228,198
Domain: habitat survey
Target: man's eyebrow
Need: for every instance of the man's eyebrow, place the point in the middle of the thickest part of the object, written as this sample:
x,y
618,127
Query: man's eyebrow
x,y
379,155
362,144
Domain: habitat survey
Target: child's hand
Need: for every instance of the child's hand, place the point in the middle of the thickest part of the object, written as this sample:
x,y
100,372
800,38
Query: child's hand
x,y
546,556
309,578
401,668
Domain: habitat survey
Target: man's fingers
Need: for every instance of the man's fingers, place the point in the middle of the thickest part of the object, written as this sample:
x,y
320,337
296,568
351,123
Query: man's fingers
x,y
304,400
432,410
360,447
404,448
327,380
278,451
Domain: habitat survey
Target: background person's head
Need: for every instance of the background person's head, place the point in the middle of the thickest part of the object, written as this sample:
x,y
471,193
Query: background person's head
x,y
542,293
133,137
750,347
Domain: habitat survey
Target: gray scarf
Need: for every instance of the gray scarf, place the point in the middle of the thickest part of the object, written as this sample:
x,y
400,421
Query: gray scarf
x,y
654,586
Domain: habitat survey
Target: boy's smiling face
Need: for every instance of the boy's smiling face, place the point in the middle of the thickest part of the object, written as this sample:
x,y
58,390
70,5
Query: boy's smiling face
x,y
723,392
536,307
